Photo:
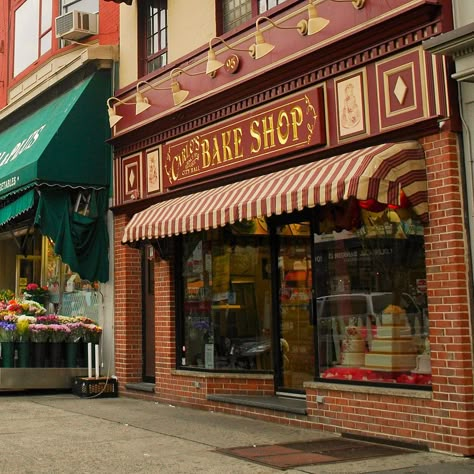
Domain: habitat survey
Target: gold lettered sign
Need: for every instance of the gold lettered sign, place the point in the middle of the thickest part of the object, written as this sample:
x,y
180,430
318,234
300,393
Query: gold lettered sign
x,y
283,127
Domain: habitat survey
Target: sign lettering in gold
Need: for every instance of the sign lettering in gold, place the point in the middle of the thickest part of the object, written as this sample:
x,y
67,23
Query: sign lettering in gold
x,y
283,127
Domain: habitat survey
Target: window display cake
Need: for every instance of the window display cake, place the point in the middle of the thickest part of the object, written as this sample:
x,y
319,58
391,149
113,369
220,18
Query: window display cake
x,y
353,348
393,347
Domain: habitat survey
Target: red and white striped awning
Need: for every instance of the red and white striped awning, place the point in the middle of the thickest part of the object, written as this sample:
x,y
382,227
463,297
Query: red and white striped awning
x,y
378,172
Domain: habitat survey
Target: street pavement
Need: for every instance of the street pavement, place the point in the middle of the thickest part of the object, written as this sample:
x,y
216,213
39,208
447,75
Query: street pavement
x,y
62,433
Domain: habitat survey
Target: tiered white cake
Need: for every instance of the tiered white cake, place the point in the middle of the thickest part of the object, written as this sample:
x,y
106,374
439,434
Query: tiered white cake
x,y
353,348
393,348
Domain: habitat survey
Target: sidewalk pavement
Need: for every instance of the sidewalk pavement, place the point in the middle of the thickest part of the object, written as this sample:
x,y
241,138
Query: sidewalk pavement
x,y
62,433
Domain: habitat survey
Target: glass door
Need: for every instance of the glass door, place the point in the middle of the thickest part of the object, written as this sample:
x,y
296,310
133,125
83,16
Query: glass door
x,y
297,353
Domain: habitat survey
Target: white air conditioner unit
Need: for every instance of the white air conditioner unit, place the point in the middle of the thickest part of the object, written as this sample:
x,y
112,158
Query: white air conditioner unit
x,y
76,25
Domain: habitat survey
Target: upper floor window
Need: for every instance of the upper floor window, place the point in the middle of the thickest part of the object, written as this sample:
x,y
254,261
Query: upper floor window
x,y
236,12
33,33
153,35
90,6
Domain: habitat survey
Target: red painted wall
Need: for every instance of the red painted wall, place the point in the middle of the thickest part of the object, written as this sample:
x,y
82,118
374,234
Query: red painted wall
x,y
108,34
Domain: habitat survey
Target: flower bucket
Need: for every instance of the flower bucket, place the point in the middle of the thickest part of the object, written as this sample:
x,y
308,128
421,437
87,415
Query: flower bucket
x,y
8,354
71,354
23,354
39,354
55,354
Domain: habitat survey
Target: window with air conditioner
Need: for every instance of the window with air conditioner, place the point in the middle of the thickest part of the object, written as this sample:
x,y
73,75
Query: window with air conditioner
x,y
33,34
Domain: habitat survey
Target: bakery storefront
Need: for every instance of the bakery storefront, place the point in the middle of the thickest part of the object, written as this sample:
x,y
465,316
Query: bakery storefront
x,y
302,247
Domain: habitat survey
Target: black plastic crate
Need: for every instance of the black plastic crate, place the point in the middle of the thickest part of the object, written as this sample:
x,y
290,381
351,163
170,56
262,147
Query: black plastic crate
x,y
95,388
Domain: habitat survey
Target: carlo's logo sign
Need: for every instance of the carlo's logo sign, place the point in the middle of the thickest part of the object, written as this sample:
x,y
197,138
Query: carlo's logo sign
x,y
256,136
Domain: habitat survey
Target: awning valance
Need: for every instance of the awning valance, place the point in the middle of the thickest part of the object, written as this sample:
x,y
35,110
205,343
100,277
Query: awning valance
x,y
379,172
63,143
17,207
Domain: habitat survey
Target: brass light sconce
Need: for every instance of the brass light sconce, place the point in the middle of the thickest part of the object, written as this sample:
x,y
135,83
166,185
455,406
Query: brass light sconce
x,y
213,64
314,24
114,118
143,103
179,95
261,48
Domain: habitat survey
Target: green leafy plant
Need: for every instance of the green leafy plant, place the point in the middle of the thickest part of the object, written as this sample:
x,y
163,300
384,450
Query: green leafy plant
x,y
6,295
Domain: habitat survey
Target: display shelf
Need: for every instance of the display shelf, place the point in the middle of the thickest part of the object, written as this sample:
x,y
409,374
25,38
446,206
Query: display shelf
x,y
226,306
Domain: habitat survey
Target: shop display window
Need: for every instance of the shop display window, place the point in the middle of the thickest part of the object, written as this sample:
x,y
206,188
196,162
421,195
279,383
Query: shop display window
x,y
372,319
227,299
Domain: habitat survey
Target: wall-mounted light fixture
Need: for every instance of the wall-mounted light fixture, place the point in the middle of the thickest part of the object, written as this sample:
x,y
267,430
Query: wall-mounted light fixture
x,y
143,103
261,48
113,116
357,4
179,95
314,24
213,64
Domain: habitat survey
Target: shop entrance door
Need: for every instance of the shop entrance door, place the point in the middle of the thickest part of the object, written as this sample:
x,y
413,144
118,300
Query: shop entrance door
x,y
296,330
148,327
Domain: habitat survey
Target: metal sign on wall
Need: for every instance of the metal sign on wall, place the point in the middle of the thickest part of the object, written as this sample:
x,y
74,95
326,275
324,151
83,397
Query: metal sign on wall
x,y
283,127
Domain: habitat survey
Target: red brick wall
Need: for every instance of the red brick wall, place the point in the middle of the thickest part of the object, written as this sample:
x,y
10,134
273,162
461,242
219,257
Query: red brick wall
x,y
128,308
442,420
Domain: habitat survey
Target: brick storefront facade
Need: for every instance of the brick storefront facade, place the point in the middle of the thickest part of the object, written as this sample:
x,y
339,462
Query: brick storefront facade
x,y
407,94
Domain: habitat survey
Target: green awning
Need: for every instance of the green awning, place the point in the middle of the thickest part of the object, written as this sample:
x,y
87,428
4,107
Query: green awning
x,y
82,241
17,207
61,144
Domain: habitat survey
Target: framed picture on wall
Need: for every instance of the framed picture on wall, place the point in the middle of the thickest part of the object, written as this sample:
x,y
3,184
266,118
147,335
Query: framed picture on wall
x,y
350,105
153,171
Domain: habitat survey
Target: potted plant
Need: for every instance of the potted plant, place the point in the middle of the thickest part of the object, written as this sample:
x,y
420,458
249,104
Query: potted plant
x,y
58,334
76,332
23,339
39,334
35,292
6,295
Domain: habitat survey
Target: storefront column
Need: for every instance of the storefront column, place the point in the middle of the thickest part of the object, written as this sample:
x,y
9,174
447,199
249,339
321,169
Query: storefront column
x,y
448,291
128,307
165,327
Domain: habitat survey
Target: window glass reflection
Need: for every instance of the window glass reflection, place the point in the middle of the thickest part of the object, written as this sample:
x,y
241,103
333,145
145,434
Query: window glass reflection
x,y
227,299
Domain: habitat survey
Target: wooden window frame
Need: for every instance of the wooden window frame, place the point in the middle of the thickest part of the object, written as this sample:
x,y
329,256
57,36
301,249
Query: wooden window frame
x,y
144,59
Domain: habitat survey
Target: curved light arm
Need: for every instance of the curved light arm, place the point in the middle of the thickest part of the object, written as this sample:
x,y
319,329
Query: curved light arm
x,y
151,86
226,44
297,27
179,71
113,116
109,105
357,4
